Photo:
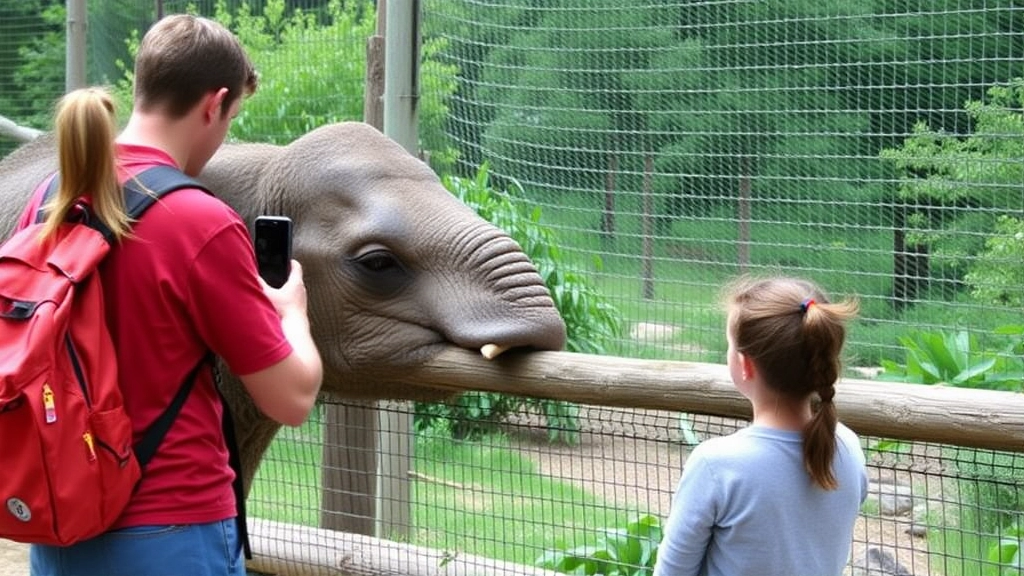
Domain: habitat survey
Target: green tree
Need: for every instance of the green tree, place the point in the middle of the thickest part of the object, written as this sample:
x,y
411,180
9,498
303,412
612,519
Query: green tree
x,y
719,95
562,95
997,276
312,66
963,193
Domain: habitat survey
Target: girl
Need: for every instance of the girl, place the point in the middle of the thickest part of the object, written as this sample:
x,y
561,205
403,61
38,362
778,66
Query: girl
x,y
780,497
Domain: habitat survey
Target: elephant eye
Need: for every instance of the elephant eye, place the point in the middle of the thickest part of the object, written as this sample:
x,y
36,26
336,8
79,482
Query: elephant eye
x,y
381,271
377,261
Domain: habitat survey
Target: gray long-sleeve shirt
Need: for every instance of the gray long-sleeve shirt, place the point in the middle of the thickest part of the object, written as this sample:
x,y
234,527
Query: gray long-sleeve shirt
x,y
746,506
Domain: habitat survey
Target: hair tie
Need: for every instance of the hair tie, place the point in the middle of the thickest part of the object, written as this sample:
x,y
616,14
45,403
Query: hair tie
x,y
807,303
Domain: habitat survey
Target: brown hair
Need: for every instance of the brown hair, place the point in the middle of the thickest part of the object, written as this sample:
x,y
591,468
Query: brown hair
x,y
183,57
794,336
85,126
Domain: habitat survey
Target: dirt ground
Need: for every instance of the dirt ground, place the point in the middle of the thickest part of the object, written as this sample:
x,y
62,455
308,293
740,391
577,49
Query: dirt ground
x,y
13,559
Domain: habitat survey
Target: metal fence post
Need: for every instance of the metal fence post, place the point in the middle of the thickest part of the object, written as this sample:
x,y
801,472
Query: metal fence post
x,y
401,103
77,28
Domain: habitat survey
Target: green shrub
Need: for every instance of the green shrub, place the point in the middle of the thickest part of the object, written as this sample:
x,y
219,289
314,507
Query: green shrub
x,y
954,358
990,494
629,551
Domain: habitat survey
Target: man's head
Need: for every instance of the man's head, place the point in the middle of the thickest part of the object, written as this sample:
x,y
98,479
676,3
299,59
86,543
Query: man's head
x,y
183,58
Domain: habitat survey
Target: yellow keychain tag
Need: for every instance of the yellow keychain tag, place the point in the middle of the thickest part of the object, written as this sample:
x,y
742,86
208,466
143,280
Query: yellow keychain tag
x,y
49,405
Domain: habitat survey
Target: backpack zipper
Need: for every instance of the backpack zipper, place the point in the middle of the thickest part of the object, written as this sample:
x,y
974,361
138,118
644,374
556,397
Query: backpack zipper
x,y
49,406
79,374
122,461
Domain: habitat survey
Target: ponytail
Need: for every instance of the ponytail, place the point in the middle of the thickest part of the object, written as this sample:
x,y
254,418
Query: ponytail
x,y
820,444
85,127
824,334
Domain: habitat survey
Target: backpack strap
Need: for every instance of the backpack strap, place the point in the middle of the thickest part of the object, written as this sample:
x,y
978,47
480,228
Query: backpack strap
x,y
145,188
154,435
140,192
235,460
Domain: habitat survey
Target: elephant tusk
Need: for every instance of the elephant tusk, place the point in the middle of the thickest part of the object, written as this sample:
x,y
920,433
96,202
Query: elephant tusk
x,y
492,351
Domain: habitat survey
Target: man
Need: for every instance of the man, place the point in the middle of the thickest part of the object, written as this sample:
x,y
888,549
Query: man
x,y
181,283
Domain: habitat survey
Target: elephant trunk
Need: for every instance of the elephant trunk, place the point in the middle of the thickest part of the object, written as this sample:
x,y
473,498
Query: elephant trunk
x,y
498,302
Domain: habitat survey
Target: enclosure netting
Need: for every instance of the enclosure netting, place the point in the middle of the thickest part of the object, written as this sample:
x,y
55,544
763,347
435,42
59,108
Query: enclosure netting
x,y
872,146
876,147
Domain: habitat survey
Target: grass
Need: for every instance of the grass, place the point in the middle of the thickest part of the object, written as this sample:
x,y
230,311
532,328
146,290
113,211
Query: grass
x,y
482,498
503,507
693,259
961,553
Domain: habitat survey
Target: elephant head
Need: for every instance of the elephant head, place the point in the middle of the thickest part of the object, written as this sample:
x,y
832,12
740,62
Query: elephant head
x,y
397,268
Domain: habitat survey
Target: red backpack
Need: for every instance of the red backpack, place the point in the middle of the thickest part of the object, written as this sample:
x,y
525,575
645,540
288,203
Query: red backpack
x,y
69,465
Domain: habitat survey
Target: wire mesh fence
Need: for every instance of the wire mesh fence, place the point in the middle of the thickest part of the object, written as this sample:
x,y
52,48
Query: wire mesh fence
x,y
874,147
509,493
684,142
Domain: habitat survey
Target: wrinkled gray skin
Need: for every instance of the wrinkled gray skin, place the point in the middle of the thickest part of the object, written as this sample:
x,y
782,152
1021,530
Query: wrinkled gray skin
x,y
396,268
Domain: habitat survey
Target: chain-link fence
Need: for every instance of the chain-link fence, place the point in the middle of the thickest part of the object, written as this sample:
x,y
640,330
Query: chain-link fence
x,y
873,146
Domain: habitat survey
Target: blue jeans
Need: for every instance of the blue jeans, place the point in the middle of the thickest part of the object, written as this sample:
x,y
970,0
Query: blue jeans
x,y
187,550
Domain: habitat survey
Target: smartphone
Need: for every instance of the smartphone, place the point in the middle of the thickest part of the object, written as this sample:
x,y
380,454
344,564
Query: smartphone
x,y
273,248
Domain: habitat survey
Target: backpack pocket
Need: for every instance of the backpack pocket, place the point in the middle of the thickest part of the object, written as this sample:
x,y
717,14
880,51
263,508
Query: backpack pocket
x,y
27,510
67,473
112,453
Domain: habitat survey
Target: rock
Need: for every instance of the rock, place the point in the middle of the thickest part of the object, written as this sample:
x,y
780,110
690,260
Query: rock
x,y
918,530
893,499
877,562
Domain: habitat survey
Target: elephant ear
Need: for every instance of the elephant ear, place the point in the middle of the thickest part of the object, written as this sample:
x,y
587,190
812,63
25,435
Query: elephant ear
x,y
346,155
239,174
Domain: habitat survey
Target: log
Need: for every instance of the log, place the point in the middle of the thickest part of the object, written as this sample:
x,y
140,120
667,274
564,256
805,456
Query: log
x,y
965,417
280,548
11,130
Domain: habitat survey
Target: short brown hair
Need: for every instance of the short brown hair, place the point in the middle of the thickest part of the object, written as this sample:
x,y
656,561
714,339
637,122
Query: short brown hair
x,y
182,57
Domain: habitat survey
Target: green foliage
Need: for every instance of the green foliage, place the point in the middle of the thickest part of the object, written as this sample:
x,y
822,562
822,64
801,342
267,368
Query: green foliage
x,y
591,322
312,67
1007,552
988,482
957,188
629,551
40,76
997,275
953,358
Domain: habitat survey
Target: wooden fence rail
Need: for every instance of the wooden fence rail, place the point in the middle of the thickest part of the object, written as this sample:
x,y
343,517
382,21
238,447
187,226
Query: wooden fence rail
x,y
943,414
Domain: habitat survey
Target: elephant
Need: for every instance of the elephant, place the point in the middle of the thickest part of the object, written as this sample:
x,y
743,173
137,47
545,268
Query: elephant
x,y
397,269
